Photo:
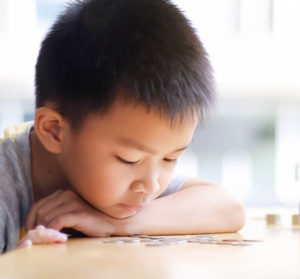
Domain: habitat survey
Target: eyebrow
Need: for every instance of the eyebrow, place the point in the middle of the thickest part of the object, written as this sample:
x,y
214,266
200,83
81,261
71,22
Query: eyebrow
x,y
137,145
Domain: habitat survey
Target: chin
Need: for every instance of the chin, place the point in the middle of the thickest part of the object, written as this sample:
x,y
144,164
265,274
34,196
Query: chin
x,y
125,216
119,212
122,215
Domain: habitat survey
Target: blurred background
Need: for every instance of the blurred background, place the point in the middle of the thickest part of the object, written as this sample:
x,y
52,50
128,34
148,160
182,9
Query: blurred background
x,y
251,143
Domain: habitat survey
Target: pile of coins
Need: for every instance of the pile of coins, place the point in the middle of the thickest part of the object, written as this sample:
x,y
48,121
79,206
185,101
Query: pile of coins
x,y
157,241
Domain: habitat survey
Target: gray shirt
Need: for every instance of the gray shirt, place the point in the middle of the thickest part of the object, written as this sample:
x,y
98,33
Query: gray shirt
x,y
16,192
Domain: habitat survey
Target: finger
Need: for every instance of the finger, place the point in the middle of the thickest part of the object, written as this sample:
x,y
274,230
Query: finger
x,y
68,201
68,220
30,222
42,235
25,243
64,208
82,222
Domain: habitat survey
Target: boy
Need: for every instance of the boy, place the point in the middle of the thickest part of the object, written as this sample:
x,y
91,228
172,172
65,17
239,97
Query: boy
x,y
120,88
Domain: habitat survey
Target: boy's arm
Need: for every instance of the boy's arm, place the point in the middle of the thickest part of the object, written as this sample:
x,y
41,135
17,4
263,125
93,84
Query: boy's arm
x,y
199,207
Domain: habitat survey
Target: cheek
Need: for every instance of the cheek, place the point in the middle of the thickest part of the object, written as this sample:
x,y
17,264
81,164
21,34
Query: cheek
x,y
95,176
164,181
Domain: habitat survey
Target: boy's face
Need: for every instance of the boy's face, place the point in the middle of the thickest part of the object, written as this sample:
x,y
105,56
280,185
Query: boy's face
x,y
122,160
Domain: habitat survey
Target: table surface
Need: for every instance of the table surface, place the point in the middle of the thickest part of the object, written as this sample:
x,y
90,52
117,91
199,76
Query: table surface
x,y
278,256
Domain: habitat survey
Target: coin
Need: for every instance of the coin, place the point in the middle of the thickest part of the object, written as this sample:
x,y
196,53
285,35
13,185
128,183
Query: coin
x,y
135,240
113,241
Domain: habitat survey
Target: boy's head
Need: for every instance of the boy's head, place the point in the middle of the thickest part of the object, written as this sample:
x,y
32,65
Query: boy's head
x,y
120,86
144,48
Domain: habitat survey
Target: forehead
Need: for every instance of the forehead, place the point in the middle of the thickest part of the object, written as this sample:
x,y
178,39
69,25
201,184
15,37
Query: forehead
x,y
134,121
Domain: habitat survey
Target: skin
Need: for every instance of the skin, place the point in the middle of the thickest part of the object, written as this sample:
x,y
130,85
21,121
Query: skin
x,y
105,178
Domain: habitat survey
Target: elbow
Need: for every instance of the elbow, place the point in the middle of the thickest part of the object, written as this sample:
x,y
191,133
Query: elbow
x,y
237,217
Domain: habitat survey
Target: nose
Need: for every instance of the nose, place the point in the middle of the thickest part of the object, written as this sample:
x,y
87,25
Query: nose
x,y
148,184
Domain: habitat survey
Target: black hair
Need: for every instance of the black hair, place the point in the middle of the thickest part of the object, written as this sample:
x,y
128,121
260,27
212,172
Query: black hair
x,y
145,48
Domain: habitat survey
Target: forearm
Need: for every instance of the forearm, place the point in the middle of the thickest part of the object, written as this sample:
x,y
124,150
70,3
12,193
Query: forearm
x,y
197,209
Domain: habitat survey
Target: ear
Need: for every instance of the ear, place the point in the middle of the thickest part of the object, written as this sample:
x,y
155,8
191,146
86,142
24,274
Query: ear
x,y
50,128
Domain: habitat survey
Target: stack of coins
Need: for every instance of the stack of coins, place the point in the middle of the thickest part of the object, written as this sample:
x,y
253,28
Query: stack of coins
x,y
296,217
273,219
296,220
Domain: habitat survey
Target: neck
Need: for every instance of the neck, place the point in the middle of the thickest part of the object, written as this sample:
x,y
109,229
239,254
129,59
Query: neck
x,y
47,175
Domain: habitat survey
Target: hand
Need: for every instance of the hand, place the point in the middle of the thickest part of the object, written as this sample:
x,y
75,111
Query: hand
x,y
41,235
66,209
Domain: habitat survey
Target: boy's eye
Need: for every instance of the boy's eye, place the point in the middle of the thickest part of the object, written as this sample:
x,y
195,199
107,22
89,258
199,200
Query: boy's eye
x,y
170,160
125,161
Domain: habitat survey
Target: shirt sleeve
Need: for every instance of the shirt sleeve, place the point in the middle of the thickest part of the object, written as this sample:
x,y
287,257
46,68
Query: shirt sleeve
x,y
2,229
175,184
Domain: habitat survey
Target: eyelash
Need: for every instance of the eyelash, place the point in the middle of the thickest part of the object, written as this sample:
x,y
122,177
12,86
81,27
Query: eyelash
x,y
133,163
126,162
170,160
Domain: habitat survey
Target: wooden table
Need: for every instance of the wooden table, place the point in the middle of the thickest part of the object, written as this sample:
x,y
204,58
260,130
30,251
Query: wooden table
x,y
277,257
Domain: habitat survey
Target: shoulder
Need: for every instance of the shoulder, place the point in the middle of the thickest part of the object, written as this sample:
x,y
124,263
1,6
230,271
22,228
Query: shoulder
x,y
12,131
9,162
15,154
15,168
10,175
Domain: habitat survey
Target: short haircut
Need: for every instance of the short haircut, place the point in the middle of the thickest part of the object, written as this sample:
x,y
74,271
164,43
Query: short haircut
x,y
146,49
